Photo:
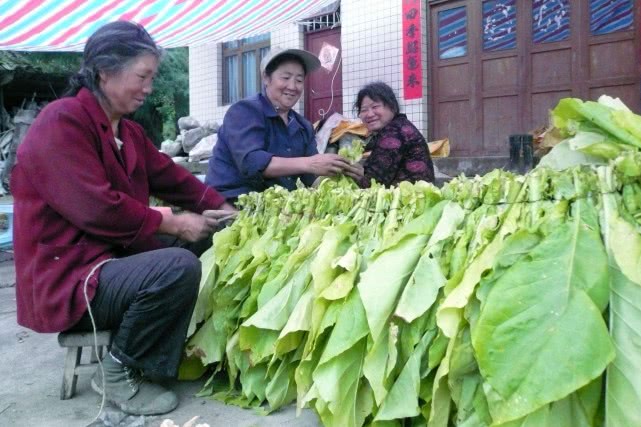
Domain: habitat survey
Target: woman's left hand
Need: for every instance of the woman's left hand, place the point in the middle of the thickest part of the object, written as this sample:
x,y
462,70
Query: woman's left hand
x,y
221,216
228,207
355,171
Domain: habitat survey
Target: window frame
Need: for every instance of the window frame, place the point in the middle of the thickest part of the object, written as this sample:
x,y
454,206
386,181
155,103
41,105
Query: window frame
x,y
243,46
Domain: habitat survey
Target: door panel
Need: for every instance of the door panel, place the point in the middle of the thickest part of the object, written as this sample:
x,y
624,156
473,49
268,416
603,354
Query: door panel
x,y
500,74
552,68
449,119
324,87
455,80
480,96
500,118
612,59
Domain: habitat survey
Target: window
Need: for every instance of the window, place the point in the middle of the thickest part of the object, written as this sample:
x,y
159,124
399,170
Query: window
x,y
550,21
452,33
499,25
329,19
241,67
609,16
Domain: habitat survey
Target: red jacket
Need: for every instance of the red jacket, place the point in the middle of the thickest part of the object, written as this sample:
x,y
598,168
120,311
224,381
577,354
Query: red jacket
x,y
79,200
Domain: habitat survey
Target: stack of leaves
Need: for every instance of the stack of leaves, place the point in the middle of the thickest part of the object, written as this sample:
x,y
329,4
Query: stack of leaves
x,y
592,132
501,300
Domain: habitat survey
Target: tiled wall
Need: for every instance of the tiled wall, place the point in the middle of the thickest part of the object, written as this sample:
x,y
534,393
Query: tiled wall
x,y
289,36
205,74
371,49
205,84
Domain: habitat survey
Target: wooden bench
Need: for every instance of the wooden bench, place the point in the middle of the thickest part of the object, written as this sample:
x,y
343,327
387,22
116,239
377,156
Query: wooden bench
x,y
74,342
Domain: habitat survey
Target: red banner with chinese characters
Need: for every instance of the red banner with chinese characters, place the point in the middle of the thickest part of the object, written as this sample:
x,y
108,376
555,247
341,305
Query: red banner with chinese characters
x,y
412,70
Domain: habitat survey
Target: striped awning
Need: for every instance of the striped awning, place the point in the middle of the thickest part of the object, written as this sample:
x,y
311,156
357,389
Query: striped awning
x,y
65,25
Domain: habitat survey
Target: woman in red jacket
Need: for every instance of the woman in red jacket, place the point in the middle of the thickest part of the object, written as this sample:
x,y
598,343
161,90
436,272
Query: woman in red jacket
x,y
85,239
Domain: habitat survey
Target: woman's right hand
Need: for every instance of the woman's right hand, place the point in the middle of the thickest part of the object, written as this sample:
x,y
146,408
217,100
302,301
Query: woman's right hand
x,y
326,164
188,226
193,227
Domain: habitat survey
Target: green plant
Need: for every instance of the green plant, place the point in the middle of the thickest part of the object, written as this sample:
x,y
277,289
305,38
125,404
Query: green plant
x,y
170,98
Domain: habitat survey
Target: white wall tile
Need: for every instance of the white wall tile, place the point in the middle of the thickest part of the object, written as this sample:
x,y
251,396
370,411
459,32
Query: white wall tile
x,y
371,50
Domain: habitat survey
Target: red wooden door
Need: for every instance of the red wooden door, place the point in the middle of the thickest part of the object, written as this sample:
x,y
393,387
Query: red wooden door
x,y
324,87
499,66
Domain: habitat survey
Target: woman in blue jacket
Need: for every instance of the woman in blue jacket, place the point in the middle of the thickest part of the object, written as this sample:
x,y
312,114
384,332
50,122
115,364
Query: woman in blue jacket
x,y
264,142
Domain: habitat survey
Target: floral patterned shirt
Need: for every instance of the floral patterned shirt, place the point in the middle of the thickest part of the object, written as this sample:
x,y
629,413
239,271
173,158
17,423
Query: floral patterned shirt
x,y
398,152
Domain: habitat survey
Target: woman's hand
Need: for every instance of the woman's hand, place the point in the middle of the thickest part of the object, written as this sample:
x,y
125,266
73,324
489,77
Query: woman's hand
x,y
222,216
189,226
193,227
355,171
326,164
228,207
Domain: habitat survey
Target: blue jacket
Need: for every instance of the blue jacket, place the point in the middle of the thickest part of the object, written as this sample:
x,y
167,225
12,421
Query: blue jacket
x,y
251,134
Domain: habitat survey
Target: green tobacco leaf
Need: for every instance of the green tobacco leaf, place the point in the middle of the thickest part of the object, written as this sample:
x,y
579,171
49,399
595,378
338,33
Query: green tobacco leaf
x,y
603,116
191,368
402,399
344,282
260,332
350,327
338,374
579,409
565,113
380,360
225,242
422,224
204,307
311,237
597,145
465,383
208,343
449,313
441,396
426,280
385,278
386,275
623,392
595,113
324,317
629,121
281,389
252,379
236,261
298,324
562,156
331,247
553,297
338,384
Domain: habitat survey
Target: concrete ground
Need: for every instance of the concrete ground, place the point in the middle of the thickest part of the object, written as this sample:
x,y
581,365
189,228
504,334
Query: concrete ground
x,y
31,366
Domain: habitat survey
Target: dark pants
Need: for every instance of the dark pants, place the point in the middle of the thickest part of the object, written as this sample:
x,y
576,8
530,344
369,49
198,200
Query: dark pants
x,y
147,300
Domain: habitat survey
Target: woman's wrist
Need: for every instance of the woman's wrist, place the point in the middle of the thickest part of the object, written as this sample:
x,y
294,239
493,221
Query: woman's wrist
x,y
170,223
306,163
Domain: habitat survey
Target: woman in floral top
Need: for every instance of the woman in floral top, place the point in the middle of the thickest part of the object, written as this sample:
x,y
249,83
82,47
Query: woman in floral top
x,y
398,151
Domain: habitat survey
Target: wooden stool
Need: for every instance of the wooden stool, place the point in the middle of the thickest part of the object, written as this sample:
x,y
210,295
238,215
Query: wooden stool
x,y
74,342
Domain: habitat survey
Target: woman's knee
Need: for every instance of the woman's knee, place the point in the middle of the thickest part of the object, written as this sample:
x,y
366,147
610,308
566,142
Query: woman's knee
x,y
185,270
